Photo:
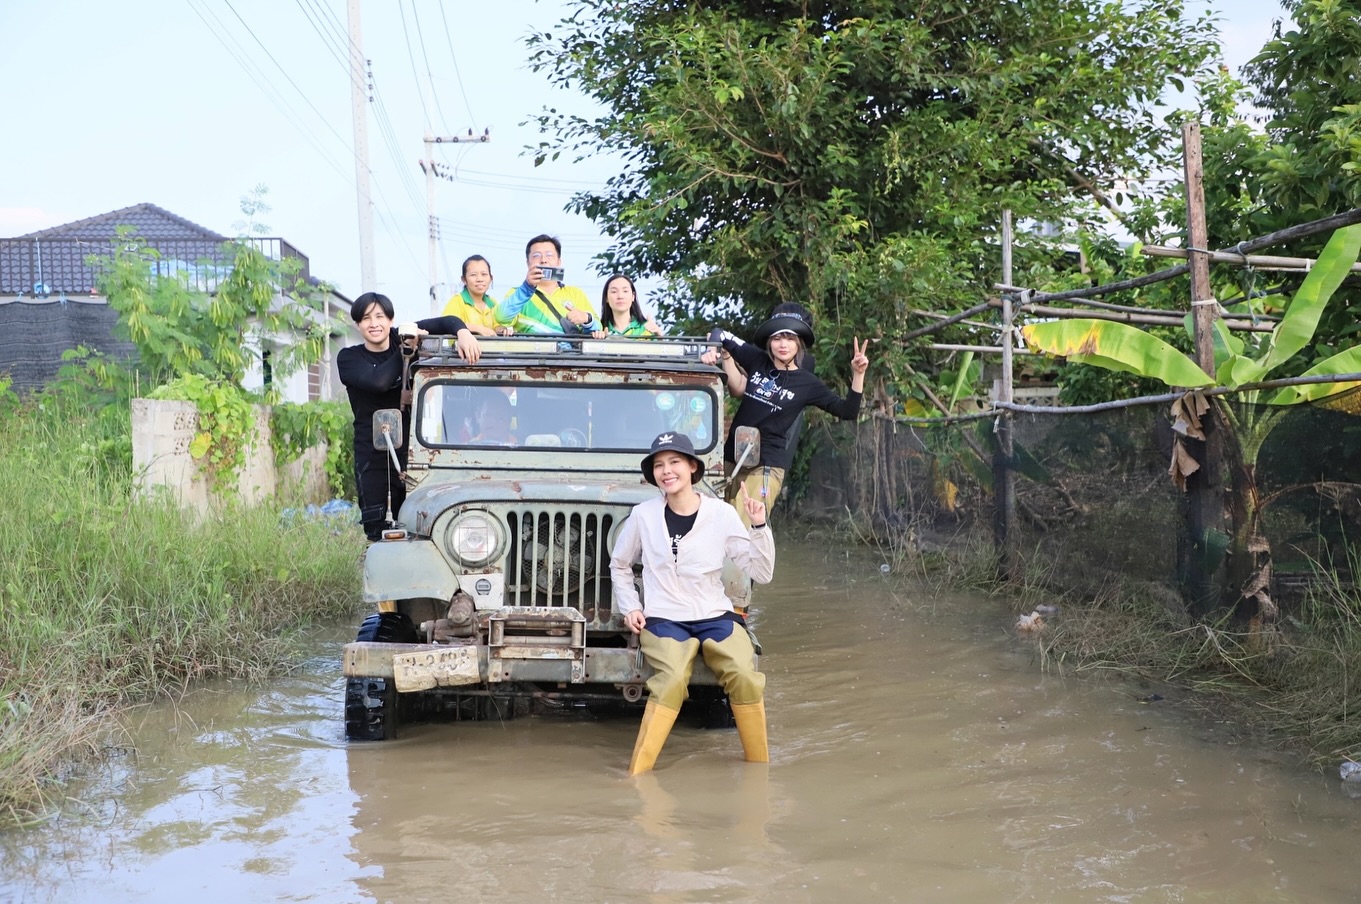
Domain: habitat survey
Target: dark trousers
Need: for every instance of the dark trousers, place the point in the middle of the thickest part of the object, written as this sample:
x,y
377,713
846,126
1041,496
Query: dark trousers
x,y
374,476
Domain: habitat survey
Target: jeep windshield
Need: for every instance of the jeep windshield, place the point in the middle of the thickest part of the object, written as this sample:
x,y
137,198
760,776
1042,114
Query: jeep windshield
x,y
573,417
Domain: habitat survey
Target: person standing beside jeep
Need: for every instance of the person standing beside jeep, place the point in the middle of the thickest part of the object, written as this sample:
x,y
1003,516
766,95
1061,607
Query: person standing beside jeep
x,y
779,386
542,304
683,540
372,374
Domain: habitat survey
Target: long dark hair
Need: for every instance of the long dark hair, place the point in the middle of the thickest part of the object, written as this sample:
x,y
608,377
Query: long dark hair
x,y
607,313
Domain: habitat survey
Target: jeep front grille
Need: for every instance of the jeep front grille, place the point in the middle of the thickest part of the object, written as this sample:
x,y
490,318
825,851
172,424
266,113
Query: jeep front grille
x,y
559,557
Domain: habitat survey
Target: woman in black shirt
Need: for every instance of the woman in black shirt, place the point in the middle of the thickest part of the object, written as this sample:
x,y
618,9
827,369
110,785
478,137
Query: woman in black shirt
x,y
778,388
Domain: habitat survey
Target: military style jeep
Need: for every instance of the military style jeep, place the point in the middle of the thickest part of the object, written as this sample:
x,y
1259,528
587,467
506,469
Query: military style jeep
x,y
493,591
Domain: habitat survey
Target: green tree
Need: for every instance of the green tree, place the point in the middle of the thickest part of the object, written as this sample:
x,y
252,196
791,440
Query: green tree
x,y
1305,78
855,156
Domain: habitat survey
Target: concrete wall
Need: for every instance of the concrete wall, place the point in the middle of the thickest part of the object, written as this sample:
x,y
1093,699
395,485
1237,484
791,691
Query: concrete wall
x,y
161,434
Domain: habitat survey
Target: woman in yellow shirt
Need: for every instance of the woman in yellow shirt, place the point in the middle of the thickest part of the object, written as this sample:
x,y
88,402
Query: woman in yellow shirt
x,y
472,305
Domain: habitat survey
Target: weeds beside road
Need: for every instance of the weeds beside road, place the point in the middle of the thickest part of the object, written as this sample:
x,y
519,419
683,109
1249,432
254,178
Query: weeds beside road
x,y
105,601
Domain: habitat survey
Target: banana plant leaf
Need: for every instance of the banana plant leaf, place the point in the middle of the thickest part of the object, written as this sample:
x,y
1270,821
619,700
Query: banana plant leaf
x,y
1227,345
1348,362
1296,329
979,470
1116,346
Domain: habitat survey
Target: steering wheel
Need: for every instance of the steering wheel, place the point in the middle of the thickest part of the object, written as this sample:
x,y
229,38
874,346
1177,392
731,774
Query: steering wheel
x,y
573,437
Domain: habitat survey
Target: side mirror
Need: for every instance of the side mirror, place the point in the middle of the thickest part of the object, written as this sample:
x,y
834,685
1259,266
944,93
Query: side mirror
x,y
747,447
387,423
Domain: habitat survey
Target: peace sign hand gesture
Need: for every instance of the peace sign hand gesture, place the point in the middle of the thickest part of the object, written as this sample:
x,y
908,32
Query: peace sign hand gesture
x,y
756,508
860,361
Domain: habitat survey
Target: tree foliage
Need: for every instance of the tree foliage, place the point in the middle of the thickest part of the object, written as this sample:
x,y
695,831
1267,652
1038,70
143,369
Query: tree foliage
x,y
178,329
1305,78
196,345
856,157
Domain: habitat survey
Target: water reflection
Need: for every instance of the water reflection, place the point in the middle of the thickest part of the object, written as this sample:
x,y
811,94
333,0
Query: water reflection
x,y
917,753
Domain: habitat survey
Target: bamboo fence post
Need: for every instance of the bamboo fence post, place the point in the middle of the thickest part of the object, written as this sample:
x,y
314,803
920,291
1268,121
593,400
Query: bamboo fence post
x,y
1003,476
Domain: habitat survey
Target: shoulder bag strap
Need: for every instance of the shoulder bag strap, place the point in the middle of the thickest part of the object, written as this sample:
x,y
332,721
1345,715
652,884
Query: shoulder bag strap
x,y
567,325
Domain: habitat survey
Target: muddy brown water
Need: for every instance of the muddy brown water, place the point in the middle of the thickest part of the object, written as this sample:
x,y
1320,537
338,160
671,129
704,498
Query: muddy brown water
x,y
920,755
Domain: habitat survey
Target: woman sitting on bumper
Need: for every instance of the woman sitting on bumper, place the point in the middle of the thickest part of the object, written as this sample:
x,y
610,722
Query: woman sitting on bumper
x,y
682,539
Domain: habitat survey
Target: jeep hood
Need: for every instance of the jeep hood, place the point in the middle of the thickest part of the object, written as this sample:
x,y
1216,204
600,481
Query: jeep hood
x,y
425,503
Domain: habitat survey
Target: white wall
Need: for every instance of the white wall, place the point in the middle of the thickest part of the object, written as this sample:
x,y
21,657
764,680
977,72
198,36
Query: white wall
x,y
161,434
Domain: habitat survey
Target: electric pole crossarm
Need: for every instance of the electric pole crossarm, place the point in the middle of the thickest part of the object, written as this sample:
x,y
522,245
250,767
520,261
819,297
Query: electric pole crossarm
x,y
431,169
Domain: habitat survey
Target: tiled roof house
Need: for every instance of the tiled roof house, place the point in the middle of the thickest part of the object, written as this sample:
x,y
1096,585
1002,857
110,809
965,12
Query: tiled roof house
x,y
49,301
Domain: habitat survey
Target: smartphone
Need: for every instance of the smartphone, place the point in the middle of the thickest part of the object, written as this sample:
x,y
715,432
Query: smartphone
x,y
554,274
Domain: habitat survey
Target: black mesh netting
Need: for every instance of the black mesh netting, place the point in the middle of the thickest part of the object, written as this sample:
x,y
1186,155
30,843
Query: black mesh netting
x,y
1094,498
33,336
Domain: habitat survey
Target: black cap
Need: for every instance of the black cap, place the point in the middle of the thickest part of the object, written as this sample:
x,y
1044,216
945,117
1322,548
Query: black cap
x,y
672,442
788,317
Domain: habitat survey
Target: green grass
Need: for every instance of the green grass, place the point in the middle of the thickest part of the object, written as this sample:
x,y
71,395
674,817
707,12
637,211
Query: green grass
x,y
105,601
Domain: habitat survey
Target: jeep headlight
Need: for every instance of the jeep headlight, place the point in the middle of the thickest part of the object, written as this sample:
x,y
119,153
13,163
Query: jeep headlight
x,y
474,538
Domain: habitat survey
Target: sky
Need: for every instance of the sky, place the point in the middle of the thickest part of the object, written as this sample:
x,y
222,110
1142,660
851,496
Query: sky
x,y
191,104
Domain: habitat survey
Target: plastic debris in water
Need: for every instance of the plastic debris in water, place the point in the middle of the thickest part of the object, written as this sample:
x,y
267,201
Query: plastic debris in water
x,y
1030,624
884,569
1350,771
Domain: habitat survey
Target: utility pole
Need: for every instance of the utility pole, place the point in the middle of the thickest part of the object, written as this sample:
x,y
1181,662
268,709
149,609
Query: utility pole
x,y
368,278
431,170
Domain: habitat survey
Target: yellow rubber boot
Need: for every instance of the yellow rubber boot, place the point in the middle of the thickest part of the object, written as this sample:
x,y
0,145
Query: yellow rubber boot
x,y
751,728
652,734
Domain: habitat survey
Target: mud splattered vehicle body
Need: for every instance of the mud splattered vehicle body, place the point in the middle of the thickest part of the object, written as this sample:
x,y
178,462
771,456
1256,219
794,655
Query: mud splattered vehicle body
x,y
493,590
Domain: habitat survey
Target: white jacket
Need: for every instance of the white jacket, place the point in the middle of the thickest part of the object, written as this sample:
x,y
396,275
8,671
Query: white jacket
x,y
688,586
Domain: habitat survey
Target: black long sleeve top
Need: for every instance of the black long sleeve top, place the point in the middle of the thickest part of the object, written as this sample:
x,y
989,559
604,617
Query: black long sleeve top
x,y
373,380
775,398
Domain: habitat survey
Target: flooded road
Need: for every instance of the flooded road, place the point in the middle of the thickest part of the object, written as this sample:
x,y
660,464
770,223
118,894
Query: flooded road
x,y
918,756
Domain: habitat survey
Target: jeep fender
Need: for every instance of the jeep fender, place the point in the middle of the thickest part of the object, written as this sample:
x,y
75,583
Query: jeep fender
x,y
407,569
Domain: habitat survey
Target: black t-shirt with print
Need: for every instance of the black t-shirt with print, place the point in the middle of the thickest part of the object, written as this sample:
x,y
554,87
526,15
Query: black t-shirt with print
x,y
774,399
677,526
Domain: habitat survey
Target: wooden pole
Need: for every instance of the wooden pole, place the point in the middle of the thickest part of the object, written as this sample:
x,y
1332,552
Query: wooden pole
x,y
1204,306
1003,476
1200,555
1256,261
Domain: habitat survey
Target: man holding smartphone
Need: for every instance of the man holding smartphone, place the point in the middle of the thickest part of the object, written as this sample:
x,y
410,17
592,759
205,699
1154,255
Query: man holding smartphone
x,y
542,304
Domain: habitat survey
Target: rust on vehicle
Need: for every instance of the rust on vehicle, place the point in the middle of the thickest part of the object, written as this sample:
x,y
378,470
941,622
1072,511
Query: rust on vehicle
x,y
513,516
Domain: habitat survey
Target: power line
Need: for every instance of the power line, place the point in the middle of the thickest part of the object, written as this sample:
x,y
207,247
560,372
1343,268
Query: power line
x,y
340,57
594,183
461,87
281,69
276,98
425,111
266,87
393,145
429,76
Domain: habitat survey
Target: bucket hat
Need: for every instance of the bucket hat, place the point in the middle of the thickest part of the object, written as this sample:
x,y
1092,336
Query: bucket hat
x,y
788,318
672,442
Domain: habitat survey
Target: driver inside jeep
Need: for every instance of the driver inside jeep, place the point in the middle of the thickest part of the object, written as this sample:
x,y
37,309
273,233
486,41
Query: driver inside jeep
x,y
494,415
